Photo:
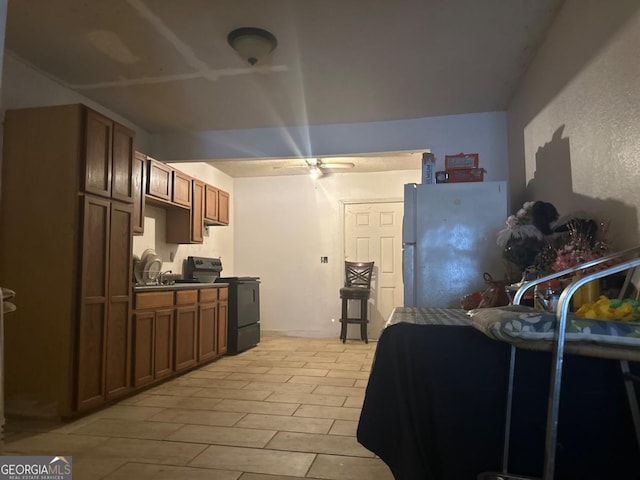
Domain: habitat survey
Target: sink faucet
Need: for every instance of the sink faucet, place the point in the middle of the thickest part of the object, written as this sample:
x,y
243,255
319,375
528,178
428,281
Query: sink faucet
x,y
161,278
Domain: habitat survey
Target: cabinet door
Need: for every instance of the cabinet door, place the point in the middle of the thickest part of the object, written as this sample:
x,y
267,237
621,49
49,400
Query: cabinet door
x,y
92,327
181,189
197,220
122,164
163,343
223,319
211,203
159,179
143,343
98,149
208,331
185,337
187,226
223,207
138,174
118,340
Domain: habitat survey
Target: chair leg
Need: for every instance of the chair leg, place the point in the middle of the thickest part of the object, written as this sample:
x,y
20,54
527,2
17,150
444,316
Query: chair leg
x,y
363,332
343,321
364,319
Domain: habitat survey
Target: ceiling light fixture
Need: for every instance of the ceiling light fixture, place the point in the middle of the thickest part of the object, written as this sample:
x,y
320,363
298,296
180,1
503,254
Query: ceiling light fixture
x,y
315,172
252,44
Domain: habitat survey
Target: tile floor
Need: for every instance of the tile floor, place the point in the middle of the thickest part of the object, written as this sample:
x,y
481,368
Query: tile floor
x,y
284,410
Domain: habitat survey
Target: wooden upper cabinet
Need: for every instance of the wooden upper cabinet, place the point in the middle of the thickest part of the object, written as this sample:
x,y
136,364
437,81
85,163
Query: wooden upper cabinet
x,y
197,220
108,158
138,174
216,206
121,171
187,226
223,207
181,189
211,203
159,180
98,148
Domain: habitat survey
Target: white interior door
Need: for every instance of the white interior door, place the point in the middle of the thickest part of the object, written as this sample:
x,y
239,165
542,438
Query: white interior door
x,y
373,232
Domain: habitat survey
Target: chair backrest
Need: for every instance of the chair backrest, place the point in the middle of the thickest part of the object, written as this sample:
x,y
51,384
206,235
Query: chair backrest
x,y
358,274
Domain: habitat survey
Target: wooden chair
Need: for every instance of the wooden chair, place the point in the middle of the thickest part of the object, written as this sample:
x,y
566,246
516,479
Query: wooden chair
x,y
357,286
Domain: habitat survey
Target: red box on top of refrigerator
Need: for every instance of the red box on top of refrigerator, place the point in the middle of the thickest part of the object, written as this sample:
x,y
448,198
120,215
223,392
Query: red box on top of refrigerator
x,y
461,161
458,175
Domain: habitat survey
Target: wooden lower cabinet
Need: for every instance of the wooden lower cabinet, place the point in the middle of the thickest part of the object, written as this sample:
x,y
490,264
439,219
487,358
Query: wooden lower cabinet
x,y
104,334
186,329
153,337
207,324
163,358
208,331
143,348
176,330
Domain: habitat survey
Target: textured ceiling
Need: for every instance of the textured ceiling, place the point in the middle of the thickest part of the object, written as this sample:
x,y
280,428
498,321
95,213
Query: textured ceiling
x,y
166,66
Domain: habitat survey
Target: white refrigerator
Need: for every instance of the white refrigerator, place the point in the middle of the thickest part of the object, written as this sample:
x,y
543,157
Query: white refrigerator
x,y
449,240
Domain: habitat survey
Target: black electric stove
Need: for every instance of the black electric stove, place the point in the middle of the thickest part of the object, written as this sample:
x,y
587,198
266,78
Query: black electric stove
x,y
244,313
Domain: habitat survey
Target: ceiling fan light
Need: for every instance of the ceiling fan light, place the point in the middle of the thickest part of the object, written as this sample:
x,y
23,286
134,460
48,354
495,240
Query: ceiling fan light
x,y
315,172
252,44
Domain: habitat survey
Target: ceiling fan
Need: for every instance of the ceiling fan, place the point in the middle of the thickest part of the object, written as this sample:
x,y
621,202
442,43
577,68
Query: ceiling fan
x,y
317,167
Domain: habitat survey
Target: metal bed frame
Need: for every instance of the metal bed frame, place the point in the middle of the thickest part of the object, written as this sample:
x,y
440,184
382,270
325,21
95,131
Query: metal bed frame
x,y
558,348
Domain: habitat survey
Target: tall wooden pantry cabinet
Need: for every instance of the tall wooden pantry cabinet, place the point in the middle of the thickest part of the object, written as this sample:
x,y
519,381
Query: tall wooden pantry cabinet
x,y
66,248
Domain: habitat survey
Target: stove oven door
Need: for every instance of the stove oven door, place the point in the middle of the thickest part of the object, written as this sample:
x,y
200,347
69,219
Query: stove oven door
x,y
248,303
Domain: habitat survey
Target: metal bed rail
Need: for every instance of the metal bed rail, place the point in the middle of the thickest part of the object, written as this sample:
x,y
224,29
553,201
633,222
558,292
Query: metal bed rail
x,y
558,355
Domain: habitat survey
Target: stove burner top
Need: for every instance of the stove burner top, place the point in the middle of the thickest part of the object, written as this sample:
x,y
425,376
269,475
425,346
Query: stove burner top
x,y
202,269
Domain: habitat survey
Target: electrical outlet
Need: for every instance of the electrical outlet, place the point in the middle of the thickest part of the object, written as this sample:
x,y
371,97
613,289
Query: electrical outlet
x,y
324,259
172,256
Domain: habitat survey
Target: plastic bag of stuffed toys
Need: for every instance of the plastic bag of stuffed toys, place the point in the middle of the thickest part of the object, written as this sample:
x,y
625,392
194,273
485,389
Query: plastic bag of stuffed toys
x,y
611,309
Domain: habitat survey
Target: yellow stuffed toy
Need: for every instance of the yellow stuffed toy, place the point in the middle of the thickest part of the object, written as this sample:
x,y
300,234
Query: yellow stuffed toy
x,y
611,309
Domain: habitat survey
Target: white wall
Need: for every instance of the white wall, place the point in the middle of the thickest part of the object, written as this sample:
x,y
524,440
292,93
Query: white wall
x,y
574,123
218,242
283,225
25,87
482,133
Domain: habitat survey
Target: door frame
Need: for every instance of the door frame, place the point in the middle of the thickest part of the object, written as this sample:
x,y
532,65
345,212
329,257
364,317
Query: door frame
x,y
342,209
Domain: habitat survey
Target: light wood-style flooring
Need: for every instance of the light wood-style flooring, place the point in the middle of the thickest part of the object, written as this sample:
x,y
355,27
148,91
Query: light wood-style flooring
x,y
284,410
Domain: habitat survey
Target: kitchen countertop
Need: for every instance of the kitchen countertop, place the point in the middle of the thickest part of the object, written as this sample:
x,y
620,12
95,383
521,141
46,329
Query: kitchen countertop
x,y
177,286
